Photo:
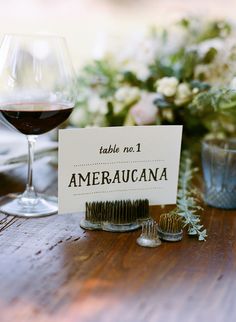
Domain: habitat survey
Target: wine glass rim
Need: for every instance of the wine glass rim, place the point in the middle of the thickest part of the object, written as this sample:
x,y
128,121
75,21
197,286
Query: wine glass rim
x,y
33,35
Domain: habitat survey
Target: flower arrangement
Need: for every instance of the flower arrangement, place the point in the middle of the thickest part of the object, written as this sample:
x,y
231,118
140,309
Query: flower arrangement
x,y
181,75
185,74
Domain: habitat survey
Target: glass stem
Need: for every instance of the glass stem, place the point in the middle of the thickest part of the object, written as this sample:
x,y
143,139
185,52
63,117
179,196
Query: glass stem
x,y
29,197
31,144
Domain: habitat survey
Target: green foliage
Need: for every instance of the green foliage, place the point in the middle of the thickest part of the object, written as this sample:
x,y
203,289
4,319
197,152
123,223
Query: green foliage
x,y
205,31
100,75
207,109
189,62
215,100
188,200
210,55
216,111
116,119
215,29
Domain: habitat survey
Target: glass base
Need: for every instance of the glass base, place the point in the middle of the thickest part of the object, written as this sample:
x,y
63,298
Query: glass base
x,y
45,206
220,198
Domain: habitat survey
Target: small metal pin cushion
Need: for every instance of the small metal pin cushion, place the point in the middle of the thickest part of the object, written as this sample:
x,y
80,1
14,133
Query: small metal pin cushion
x,y
170,227
149,236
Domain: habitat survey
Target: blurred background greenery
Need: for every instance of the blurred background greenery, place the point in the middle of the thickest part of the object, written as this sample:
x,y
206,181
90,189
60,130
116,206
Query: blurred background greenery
x,y
87,24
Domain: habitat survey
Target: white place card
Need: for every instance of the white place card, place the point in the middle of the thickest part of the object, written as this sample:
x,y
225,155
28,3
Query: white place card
x,y
118,163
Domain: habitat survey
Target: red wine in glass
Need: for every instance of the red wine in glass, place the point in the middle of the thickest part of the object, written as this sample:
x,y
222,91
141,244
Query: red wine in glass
x,y
35,118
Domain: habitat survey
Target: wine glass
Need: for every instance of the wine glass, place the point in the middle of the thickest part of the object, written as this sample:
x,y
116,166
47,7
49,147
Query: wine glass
x,y
36,79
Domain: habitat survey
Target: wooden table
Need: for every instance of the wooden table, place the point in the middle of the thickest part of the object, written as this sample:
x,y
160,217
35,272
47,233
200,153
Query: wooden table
x,y
52,270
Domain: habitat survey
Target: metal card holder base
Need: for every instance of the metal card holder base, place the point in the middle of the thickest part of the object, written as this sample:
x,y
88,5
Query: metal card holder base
x,y
115,216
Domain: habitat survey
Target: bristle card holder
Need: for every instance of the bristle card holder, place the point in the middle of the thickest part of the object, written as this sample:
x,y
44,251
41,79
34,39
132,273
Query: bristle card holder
x,y
115,216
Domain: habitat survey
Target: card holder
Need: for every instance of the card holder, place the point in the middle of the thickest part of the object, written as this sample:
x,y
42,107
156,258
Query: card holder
x,y
115,216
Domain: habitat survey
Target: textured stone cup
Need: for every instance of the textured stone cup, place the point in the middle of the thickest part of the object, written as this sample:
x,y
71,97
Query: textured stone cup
x,y
219,171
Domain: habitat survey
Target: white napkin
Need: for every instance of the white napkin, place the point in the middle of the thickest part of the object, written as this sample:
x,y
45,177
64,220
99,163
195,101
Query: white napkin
x,y
14,149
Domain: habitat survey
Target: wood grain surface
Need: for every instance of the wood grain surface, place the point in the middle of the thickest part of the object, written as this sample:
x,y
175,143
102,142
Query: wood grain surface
x,y
52,270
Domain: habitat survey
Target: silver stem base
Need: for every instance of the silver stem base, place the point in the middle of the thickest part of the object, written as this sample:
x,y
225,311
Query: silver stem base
x,y
147,242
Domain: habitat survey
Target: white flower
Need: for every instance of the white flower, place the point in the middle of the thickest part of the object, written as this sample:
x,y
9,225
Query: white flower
x,y
126,94
206,45
214,135
202,71
167,86
137,55
140,49
99,120
183,94
221,70
78,116
147,50
195,90
233,84
97,105
145,112
175,38
117,107
167,114
141,70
